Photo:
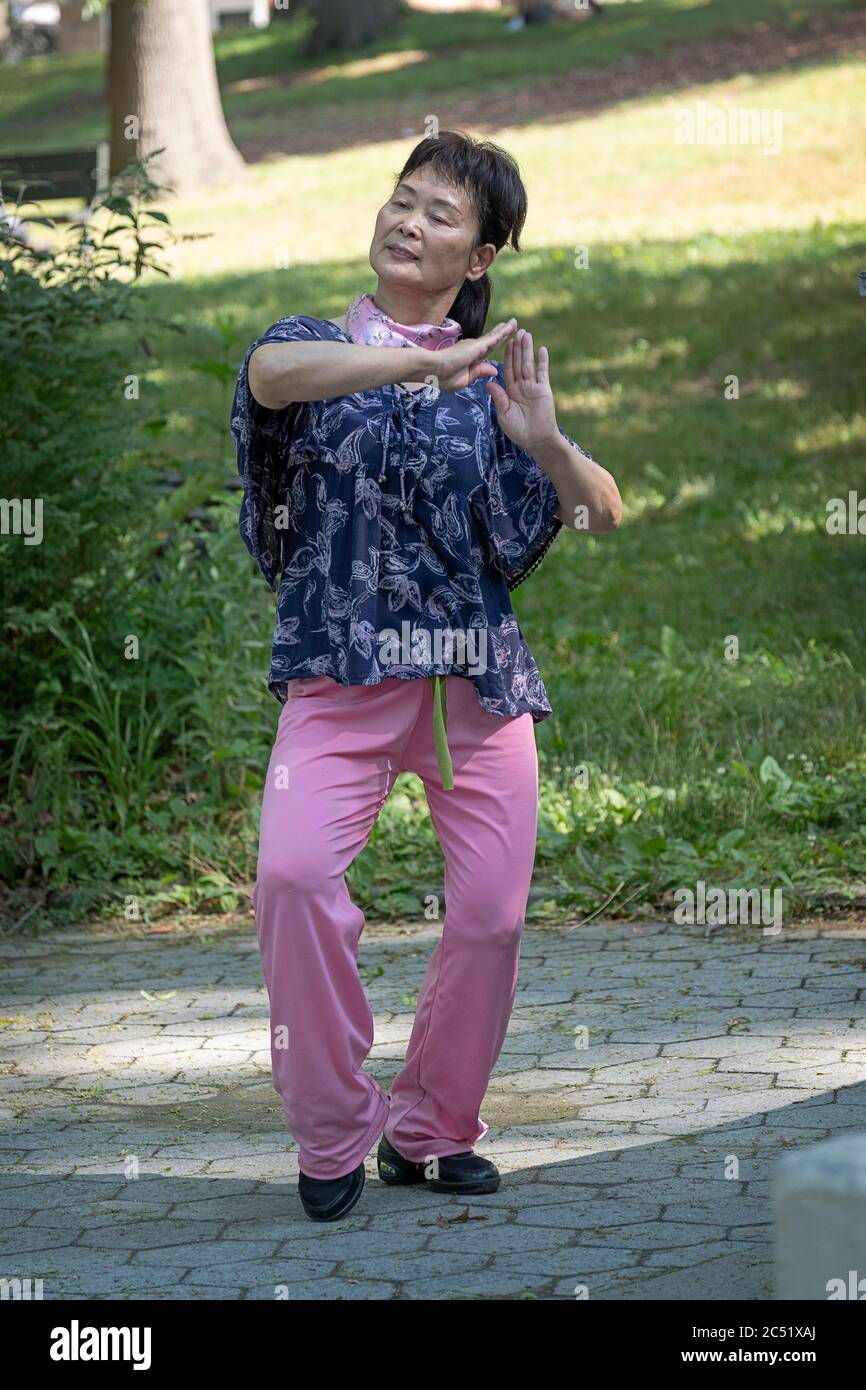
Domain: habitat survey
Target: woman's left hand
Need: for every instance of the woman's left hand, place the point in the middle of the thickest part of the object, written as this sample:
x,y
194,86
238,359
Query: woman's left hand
x,y
526,409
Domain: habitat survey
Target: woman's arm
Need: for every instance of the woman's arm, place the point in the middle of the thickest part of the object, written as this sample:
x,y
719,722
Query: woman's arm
x,y
282,373
589,498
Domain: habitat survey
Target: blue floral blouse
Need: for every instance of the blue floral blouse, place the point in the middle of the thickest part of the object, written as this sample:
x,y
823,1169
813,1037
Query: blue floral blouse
x,y
397,523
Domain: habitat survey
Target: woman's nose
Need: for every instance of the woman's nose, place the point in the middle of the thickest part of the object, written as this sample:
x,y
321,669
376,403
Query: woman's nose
x,y
409,226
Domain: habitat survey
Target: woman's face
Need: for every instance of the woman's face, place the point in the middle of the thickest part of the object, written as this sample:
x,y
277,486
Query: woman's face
x,y
425,236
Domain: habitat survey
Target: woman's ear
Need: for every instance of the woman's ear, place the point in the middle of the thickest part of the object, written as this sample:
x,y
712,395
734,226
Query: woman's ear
x,y
480,260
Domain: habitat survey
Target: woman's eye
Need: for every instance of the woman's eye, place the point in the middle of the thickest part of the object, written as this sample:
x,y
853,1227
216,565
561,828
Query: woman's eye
x,y
441,220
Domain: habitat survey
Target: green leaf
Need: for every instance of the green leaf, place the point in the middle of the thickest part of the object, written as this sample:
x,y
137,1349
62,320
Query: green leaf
x,y
771,772
654,846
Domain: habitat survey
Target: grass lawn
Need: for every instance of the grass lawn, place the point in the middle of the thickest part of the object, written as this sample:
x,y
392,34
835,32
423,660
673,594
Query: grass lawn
x,y
666,760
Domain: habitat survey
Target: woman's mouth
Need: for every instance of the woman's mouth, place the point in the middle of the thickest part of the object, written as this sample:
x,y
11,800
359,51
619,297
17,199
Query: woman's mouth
x,y
401,252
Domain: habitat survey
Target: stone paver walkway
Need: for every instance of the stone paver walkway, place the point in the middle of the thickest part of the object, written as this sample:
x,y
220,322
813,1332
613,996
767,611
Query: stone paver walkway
x,y
144,1152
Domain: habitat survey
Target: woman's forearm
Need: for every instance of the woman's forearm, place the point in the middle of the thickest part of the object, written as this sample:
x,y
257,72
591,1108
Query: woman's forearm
x,y
588,495
282,373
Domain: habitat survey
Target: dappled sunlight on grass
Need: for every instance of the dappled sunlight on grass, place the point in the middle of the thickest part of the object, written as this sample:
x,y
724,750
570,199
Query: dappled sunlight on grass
x,y
621,174
757,523
361,67
837,431
784,389
590,182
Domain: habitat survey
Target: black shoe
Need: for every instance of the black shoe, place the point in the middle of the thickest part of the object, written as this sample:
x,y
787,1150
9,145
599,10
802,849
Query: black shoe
x,y
394,1168
465,1172
327,1199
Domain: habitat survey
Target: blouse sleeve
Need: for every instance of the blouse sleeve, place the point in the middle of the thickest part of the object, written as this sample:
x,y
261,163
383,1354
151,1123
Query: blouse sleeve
x,y
263,440
522,522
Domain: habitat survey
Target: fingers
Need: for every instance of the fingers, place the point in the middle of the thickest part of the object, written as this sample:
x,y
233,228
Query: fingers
x,y
481,369
520,362
497,336
521,372
527,357
500,333
509,366
543,367
480,348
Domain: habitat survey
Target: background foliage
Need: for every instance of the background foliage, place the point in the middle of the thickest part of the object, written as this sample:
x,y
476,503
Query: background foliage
x,y
125,774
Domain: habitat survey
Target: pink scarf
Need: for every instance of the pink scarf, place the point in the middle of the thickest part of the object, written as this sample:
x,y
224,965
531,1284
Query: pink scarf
x,y
368,324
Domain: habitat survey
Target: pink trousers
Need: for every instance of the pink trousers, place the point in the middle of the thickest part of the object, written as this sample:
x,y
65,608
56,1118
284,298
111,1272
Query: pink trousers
x,y
337,753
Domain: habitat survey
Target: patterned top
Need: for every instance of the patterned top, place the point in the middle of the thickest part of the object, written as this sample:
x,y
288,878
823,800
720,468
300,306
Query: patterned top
x,y
399,522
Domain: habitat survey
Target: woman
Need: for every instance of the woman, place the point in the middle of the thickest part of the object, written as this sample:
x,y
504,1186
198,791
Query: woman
x,y
402,484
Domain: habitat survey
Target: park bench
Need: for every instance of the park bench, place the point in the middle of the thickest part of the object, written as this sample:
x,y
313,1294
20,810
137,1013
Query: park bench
x,y
70,174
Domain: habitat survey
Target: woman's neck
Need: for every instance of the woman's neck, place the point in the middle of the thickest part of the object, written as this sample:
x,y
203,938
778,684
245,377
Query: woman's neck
x,y
408,308
343,324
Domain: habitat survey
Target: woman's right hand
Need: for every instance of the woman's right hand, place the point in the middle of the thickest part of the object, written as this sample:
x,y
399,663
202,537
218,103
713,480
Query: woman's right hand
x,y
455,367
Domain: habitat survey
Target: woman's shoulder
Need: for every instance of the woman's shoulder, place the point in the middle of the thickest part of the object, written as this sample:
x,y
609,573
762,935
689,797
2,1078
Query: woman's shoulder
x,y
322,327
300,327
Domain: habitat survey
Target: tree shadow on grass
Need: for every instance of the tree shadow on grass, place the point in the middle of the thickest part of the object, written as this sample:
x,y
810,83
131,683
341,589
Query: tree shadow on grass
x,y
477,100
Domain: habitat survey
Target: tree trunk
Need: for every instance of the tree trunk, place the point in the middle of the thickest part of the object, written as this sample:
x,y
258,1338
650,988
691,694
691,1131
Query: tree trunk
x,y
4,21
161,70
344,24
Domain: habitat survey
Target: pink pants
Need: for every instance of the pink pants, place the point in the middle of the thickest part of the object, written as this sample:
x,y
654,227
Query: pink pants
x,y
336,756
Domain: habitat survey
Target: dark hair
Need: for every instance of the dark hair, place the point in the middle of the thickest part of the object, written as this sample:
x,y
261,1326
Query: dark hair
x,y
491,178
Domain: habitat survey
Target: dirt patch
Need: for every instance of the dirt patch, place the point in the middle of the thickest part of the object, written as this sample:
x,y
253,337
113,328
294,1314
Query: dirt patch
x,y
257,1110
580,92
505,1106
233,1110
